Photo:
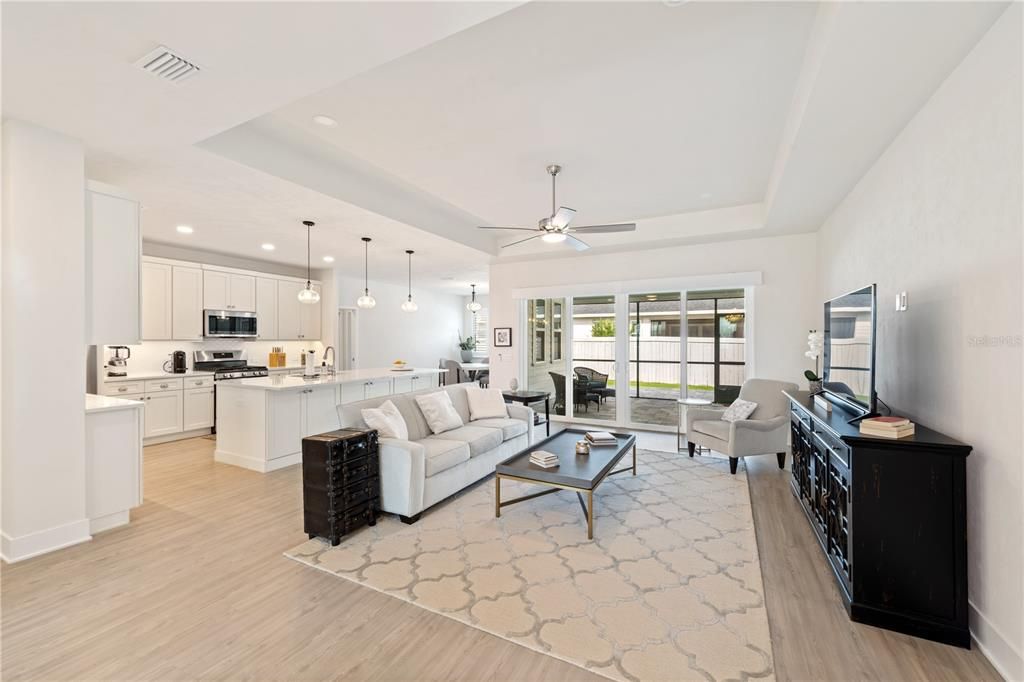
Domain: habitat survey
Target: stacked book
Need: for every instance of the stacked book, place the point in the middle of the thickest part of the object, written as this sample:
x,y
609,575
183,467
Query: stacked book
x,y
600,438
542,458
887,427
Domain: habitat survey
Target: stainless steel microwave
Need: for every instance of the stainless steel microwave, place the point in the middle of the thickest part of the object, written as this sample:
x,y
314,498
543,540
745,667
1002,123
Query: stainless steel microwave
x,y
229,324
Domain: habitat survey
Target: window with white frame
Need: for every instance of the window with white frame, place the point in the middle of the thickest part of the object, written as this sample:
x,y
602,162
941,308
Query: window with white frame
x,y
481,332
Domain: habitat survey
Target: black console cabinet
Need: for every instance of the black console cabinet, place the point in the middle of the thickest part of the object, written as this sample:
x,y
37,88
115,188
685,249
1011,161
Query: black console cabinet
x,y
340,482
891,517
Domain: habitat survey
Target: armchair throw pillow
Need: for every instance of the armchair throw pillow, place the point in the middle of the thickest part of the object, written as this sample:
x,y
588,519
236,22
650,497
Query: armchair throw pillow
x,y
740,409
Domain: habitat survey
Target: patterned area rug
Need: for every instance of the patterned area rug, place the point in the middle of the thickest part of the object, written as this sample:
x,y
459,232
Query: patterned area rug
x,y
670,587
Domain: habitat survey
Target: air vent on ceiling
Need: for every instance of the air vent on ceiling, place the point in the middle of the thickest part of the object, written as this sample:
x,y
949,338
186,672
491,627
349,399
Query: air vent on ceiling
x,y
168,65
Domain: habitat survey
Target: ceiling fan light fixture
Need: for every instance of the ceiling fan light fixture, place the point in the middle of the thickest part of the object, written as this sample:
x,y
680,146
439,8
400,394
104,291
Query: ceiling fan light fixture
x,y
553,237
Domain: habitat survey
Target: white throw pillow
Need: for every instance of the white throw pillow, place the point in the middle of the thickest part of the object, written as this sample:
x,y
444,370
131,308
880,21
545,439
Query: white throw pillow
x,y
740,409
439,412
387,420
485,403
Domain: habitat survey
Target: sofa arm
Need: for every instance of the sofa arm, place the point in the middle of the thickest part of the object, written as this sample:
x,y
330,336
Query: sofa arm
x,y
759,436
694,414
523,413
402,475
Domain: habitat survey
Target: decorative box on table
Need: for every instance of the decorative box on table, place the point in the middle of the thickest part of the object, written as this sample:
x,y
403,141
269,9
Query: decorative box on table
x,y
340,482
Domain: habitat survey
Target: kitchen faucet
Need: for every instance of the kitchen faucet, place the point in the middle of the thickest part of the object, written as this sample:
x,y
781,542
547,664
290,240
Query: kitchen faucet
x,y
323,360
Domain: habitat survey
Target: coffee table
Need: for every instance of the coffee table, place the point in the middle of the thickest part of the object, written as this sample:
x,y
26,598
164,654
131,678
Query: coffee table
x,y
578,473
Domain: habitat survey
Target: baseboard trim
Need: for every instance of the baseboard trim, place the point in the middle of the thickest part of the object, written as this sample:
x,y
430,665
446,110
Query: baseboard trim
x,y
1000,652
13,550
254,463
98,525
171,437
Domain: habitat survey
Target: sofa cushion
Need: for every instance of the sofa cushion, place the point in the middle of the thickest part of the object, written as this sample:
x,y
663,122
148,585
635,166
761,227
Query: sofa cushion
x,y
415,422
485,403
387,420
510,428
712,427
442,455
479,438
460,400
439,411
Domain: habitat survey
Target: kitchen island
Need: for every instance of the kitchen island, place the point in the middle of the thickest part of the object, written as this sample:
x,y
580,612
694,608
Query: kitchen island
x,y
261,421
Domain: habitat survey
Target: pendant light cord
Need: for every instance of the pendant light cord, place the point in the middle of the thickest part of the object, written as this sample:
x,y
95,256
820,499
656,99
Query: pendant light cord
x,y
366,267
309,276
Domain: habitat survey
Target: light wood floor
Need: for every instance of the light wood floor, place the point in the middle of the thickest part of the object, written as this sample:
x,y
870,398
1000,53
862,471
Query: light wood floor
x,y
196,587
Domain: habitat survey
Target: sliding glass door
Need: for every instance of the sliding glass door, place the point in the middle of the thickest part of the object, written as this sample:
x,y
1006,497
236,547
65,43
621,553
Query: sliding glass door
x,y
655,358
619,359
716,344
594,342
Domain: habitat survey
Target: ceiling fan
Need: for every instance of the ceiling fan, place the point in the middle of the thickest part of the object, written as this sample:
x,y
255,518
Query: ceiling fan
x,y
555,228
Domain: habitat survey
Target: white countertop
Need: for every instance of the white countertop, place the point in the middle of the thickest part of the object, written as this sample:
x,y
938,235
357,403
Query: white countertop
x,y
105,403
281,382
142,376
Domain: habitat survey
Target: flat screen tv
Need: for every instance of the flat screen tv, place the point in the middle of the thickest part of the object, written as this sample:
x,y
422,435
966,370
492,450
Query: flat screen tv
x,y
849,353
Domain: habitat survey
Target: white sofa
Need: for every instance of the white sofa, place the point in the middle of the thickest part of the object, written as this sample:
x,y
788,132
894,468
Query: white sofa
x,y
420,472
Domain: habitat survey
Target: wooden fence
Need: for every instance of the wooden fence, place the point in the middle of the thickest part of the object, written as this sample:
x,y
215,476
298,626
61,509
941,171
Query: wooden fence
x,y
659,359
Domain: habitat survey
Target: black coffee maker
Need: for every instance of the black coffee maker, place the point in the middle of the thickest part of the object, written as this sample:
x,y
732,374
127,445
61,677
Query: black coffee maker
x,y
177,364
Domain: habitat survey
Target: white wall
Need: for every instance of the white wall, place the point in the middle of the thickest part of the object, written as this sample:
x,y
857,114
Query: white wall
x,y
939,216
785,305
387,333
150,356
43,354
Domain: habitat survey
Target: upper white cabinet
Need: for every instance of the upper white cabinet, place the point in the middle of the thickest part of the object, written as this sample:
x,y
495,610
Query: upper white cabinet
x,y
296,320
228,291
266,308
157,288
187,303
113,261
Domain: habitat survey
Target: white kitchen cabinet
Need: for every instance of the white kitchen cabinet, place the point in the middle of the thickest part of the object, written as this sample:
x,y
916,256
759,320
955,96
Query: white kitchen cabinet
x,y
321,410
266,308
352,391
289,310
298,321
113,461
113,267
187,304
406,383
157,296
198,409
163,413
376,388
228,291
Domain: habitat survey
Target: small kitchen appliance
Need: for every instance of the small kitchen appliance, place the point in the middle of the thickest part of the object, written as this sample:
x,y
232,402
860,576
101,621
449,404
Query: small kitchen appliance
x,y
117,365
310,369
177,363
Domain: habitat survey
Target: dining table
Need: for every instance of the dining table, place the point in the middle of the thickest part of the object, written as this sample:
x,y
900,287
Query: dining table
x,y
474,368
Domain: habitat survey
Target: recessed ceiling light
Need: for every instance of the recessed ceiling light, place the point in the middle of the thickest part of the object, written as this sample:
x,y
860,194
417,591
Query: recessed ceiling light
x,y
328,259
184,229
269,247
325,121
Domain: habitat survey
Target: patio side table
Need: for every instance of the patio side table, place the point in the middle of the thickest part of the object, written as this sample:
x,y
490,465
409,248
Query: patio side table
x,y
527,397
686,403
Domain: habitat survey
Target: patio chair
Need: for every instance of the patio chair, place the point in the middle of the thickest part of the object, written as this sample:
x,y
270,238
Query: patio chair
x,y
597,382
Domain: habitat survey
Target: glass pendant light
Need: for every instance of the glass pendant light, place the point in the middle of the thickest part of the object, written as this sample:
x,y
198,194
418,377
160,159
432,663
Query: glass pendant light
x,y
309,295
473,306
409,305
366,301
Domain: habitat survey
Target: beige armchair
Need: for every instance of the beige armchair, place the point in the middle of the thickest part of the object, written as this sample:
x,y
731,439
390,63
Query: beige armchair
x,y
764,432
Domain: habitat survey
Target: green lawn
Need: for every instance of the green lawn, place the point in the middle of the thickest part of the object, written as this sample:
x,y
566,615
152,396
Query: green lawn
x,y
655,384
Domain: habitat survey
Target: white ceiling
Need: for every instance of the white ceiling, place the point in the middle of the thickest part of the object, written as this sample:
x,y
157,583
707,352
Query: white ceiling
x,y
652,109
700,121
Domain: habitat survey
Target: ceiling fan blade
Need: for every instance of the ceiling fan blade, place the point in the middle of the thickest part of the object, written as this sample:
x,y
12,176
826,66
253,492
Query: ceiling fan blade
x,y
563,216
575,243
521,240
594,229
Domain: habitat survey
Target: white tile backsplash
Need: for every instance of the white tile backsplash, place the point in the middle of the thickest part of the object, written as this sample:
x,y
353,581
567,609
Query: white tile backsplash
x,y
150,356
